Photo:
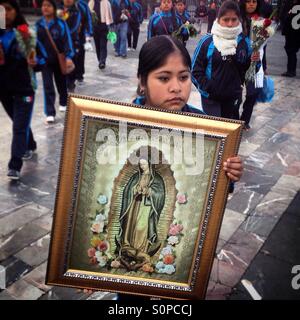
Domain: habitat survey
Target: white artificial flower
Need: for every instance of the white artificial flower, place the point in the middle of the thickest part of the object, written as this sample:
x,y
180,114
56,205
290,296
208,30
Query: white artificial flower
x,y
173,240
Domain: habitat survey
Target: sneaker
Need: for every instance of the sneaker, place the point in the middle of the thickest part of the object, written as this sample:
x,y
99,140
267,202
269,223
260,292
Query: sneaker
x,y
289,74
50,119
27,155
62,108
101,65
117,55
247,127
13,174
129,49
124,56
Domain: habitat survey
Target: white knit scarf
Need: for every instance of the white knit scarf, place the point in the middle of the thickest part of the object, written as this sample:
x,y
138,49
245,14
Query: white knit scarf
x,y
225,39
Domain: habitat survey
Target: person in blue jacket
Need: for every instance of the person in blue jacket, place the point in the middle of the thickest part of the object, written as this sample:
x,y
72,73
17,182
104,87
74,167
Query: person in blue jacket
x,y
60,34
73,15
17,85
220,62
135,20
86,33
165,22
181,11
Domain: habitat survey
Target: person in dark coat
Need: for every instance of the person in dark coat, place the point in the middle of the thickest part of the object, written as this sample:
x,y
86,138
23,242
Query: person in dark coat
x,y
292,39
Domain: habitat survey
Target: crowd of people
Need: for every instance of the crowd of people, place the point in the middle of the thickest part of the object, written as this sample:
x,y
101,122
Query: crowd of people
x,y
65,31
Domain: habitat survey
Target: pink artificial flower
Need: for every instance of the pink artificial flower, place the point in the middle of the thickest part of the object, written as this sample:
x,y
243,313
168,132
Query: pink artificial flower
x,y
91,252
182,198
93,260
115,264
175,229
102,246
97,227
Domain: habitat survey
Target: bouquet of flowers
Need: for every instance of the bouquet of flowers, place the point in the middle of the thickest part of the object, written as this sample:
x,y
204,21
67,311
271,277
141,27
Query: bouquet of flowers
x,y
26,39
63,14
261,31
185,31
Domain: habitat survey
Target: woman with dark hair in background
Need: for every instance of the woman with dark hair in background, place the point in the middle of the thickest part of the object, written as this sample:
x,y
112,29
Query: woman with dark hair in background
x,y
250,9
17,83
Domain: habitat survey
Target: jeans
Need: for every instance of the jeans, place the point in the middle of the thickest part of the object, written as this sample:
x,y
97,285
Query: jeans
x,y
19,109
121,44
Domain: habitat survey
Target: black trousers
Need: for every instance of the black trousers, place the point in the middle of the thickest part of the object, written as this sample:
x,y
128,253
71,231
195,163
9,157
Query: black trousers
x,y
100,38
221,108
19,109
80,71
291,47
250,101
133,34
49,92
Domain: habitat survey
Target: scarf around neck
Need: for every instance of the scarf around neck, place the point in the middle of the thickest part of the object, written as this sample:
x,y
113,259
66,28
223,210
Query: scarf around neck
x,y
225,39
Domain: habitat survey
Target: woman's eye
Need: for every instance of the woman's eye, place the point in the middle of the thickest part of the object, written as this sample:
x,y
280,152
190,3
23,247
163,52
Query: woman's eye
x,y
163,79
184,78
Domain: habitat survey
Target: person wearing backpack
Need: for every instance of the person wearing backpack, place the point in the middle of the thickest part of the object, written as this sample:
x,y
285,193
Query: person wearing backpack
x,y
51,31
220,62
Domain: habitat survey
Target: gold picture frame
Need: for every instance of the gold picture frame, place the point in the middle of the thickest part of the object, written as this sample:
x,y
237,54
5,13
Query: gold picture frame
x,y
114,230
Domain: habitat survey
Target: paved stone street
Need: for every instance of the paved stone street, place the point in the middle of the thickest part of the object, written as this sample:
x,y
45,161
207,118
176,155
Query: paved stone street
x,y
271,151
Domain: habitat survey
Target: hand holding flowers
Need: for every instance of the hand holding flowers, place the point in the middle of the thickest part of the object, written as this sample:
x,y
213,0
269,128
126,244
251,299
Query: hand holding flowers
x,y
261,31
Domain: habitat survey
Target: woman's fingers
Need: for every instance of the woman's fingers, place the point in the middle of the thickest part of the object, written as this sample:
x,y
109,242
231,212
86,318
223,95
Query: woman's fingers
x,y
234,168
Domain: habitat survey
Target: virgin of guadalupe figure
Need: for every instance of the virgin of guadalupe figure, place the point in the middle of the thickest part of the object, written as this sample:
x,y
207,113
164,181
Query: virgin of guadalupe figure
x,y
143,200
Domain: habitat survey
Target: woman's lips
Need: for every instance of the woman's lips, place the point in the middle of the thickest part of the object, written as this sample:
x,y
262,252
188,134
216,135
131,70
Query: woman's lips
x,y
175,100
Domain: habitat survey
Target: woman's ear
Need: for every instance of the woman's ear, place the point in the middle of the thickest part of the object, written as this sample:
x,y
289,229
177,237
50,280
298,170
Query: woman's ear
x,y
141,88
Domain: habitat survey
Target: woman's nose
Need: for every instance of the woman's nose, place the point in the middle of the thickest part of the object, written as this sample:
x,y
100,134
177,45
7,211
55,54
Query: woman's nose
x,y
175,85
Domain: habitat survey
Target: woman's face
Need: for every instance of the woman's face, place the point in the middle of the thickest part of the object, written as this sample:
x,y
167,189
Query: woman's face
x,y
166,5
169,86
144,165
47,9
251,6
229,20
10,14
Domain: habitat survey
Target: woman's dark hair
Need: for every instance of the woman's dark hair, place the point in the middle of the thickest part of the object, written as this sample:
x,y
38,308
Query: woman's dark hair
x,y
19,16
246,21
155,52
229,5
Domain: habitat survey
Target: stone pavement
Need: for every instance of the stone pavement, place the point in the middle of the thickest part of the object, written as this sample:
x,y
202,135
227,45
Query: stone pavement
x,y
271,151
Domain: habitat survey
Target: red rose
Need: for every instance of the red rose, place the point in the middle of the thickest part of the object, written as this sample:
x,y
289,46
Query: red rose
x,y
255,16
267,22
102,246
23,28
